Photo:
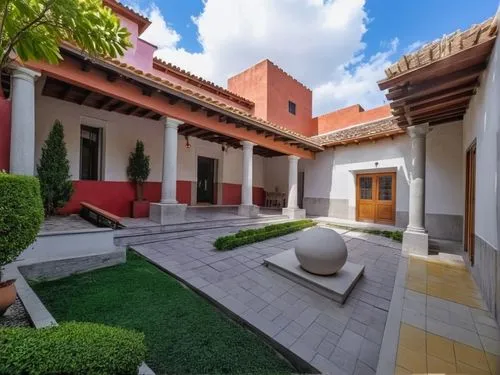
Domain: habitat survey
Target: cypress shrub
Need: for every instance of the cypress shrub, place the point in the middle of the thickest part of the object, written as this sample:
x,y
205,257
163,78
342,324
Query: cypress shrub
x,y
53,171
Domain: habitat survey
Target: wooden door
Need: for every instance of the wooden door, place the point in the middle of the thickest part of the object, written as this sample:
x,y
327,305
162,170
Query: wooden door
x,y
470,201
376,197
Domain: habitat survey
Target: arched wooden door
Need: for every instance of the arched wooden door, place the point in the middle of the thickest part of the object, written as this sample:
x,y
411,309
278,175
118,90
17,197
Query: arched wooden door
x,y
376,197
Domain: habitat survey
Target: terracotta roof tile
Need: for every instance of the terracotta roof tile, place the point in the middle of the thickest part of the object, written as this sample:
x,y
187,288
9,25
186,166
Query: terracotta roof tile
x,y
178,70
370,130
446,46
213,101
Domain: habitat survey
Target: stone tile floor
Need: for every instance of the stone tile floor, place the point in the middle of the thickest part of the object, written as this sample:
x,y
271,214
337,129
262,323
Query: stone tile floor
x,y
201,214
333,338
65,223
443,325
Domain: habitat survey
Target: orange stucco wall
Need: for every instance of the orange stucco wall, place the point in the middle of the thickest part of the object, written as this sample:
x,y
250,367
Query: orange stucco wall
x,y
348,116
270,88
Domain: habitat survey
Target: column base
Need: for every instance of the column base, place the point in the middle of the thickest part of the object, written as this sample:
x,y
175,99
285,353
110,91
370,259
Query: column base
x,y
162,213
415,242
294,213
248,210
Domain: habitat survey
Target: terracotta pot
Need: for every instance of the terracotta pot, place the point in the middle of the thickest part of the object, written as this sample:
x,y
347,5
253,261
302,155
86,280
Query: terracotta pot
x,y
7,295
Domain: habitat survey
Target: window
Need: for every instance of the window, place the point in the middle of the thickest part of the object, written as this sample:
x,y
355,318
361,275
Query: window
x,y
90,153
385,188
365,187
292,107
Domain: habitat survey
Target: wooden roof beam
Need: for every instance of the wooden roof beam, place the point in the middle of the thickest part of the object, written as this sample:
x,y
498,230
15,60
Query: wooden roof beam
x,y
421,99
438,84
440,106
436,101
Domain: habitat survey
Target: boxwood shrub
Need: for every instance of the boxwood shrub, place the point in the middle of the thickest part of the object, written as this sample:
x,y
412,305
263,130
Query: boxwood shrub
x,y
71,348
248,236
21,214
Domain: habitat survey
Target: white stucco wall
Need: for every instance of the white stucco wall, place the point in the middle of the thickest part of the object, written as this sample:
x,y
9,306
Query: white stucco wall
x,y
333,174
276,174
482,123
120,133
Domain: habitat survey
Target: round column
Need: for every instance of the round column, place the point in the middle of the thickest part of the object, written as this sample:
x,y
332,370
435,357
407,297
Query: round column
x,y
417,134
169,177
293,166
22,141
247,183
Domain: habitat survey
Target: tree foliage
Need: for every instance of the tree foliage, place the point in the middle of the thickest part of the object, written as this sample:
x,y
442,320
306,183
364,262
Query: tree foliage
x,y
53,171
34,29
138,167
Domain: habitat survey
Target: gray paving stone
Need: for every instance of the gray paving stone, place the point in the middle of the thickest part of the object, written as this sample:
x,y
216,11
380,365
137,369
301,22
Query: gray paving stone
x,y
260,323
369,353
285,339
214,292
270,312
257,304
281,321
362,369
330,323
350,342
373,335
326,366
295,329
234,305
356,327
326,348
343,359
308,316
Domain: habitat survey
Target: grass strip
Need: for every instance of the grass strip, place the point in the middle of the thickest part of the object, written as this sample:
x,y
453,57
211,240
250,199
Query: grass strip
x,y
249,236
184,333
395,235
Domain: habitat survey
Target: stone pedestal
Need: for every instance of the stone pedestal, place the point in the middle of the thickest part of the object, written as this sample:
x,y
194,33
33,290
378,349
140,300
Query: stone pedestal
x,y
415,242
294,213
248,210
167,213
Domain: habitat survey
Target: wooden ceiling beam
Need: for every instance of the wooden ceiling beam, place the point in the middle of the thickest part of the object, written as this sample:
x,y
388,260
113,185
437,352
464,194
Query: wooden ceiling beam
x,y
116,106
454,111
172,100
445,120
446,81
85,96
104,102
436,101
440,107
422,99
65,92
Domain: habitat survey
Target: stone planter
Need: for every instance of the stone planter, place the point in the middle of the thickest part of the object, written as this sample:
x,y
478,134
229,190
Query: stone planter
x,y
140,209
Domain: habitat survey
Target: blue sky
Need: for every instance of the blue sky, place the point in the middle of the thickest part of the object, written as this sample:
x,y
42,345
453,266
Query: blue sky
x,y
410,21
341,59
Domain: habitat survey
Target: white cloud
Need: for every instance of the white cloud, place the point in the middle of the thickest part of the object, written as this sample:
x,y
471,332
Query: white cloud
x,y
319,42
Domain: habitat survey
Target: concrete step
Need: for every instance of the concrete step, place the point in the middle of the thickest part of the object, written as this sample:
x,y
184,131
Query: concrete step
x,y
139,236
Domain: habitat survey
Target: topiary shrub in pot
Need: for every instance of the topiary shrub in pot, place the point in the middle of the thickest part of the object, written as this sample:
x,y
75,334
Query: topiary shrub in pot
x,y
21,214
138,172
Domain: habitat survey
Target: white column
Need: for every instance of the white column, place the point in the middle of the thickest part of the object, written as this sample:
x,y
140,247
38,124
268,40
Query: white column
x,y
415,238
22,142
247,183
416,221
293,171
169,177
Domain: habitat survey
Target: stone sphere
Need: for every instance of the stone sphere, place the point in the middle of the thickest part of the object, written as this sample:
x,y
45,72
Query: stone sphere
x,y
321,251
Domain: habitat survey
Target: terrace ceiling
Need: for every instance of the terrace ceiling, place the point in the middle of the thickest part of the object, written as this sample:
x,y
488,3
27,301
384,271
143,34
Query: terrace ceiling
x,y
435,84
58,89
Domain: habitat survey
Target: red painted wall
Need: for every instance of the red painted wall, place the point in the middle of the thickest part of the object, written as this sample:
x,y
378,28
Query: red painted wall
x,y
270,88
4,133
116,196
231,194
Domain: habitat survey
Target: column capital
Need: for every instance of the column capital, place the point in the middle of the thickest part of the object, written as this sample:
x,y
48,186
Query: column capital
x,y
24,73
247,144
418,131
293,157
172,122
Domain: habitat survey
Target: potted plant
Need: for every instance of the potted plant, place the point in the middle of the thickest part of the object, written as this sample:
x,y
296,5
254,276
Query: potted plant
x,y
21,214
138,172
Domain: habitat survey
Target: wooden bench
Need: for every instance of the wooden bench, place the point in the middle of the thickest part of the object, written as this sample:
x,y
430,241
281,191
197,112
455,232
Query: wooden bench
x,y
99,217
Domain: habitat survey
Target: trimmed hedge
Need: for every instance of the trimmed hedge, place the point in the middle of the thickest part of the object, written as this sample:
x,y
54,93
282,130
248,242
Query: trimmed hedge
x,y
21,214
396,235
71,348
246,237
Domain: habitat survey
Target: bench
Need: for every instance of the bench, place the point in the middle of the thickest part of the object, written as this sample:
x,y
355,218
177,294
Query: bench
x,y
99,217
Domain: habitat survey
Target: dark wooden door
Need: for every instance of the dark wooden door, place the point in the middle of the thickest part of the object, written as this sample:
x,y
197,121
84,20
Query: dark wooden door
x,y
376,198
206,179
470,201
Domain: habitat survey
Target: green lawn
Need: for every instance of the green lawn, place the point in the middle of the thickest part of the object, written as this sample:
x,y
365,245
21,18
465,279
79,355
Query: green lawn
x,y
184,333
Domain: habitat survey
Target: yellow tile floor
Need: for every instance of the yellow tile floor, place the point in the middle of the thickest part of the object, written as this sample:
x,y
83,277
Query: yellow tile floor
x,y
421,352
449,280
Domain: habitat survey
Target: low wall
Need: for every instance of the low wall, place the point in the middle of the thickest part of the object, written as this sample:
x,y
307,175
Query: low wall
x,y
68,244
